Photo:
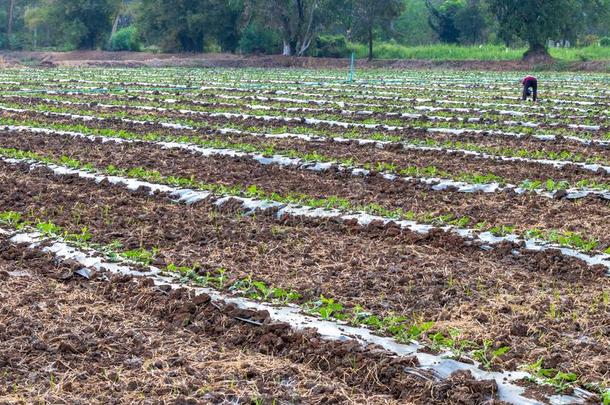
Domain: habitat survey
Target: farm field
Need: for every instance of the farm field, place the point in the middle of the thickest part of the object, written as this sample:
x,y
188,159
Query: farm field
x,y
285,236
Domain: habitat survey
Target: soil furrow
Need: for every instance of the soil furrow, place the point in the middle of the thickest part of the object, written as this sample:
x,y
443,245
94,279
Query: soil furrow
x,y
434,277
525,211
123,339
391,154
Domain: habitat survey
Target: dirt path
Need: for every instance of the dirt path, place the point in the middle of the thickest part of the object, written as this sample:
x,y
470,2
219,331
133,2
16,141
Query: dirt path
x,y
139,59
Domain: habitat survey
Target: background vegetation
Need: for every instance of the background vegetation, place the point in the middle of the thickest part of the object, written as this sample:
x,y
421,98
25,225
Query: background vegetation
x,y
415,29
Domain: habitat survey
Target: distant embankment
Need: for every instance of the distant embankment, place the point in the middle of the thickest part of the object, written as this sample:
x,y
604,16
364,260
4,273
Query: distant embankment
x,y
138,59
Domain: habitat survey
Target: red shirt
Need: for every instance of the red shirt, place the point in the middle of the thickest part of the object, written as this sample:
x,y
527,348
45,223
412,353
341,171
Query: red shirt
x,y
528,78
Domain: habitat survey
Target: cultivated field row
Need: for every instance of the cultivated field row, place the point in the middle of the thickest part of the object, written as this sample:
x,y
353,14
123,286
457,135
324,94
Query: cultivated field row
x,y
439,219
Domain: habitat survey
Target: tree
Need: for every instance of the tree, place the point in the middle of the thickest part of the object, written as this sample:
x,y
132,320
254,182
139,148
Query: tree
x,y
190,25
538,21
471,22
297,21
11,13
412,26
371,14
442,20
74,24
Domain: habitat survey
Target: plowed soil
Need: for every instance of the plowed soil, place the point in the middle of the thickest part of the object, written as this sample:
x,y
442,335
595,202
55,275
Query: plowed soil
x,y
592,151
451,161
526,211
68,339
536,303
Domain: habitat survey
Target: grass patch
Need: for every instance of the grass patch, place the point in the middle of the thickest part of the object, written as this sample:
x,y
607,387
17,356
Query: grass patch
x,y
444,52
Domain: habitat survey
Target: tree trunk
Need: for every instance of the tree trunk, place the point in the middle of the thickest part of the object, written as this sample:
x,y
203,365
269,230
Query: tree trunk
x,y
287,49
9,30
537,52
370,44
115,27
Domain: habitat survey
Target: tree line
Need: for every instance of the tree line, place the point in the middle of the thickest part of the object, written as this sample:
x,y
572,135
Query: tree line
x,y
297,27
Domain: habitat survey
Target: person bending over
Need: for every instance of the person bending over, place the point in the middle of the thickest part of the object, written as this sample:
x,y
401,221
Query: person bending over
x,y
530,88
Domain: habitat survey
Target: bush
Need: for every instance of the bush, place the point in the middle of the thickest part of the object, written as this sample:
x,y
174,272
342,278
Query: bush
x,y
125,39
259,40
590,40
330,46
605,41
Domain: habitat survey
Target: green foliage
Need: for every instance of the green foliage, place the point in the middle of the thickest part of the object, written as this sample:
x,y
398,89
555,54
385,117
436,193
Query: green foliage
x,y
606,397
141,255
79,238
457,21
327,308
330,46
559,380
125,39
536,22
258,39
369,16
10,218
73,24
260,291
453,342
48,228
191,26
502,230
322,26
443,19
487,355
441,52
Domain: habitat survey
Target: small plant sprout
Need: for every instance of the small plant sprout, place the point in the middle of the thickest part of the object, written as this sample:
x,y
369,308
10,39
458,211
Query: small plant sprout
x,y
221,278
327,308
10,218
48,228
486,355
559,380
141,255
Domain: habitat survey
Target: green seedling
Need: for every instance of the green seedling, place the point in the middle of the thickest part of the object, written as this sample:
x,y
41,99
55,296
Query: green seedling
x,y
487,356
48,228
327,308
456,345
394,325
141,255
81,238
111,251
606,397
549,376
10,218
502,230
414,332
285,296
221,278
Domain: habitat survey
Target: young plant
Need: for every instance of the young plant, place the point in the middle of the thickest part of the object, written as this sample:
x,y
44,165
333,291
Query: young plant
x,y
327,308
48,228
486,355
549,376
141,255
10,218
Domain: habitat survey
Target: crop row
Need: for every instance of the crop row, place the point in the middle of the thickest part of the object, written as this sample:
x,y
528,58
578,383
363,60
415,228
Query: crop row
x,y
318,127
460,119
273,239
270,153
420,84
312,149
225,174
